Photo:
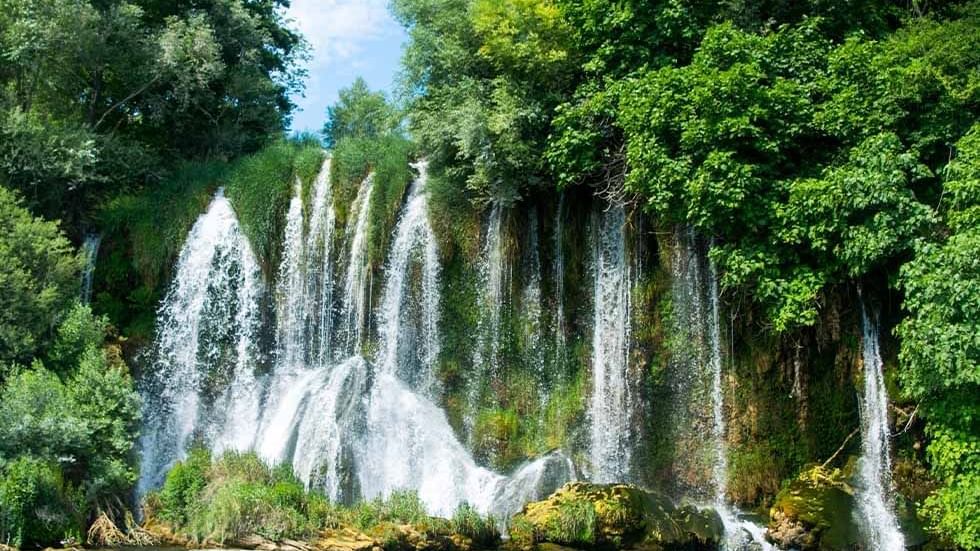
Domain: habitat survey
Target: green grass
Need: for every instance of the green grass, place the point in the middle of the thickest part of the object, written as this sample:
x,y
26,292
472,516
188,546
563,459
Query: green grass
x,y
260,188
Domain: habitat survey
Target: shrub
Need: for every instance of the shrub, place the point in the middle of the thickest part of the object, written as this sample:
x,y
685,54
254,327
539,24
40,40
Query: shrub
x,y
468,522
184,483
36,508
39,278
78,332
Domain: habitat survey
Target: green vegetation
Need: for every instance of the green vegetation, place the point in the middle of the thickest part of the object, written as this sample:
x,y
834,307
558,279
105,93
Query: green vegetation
x,y
116,117
260,187
229,498
234,497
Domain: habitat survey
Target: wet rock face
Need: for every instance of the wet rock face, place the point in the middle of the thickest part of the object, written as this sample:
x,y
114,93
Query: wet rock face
x,y
614,516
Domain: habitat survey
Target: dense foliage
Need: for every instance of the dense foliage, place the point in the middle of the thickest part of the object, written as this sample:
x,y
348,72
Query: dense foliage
x,y
68,410
823,149
100,97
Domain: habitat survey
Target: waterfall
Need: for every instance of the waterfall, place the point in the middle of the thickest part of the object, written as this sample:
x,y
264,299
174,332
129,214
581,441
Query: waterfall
x,y
697,370
291,296
874,473
493,274
308,425
347,427
611,403
355,300
409,349
206,330
303,281
531,299
559,244
409,444
90,253
720,467
320,263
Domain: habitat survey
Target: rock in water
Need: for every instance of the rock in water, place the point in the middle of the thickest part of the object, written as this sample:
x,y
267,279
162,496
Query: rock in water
x,y
594,516
816,511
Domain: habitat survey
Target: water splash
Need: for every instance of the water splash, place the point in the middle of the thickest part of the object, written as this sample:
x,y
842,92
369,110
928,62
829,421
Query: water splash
x,y
410,315
90,253
409,444
307,428
611,403
874,472
206,330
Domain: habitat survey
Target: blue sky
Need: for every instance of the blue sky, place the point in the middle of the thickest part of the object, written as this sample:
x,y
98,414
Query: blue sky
x,y
349,38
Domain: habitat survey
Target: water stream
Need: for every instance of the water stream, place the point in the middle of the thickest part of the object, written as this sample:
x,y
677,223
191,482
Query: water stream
x,y
874,467
611,402
90,254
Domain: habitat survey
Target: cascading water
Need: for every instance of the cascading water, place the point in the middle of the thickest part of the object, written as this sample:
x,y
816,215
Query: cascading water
x,y
90,253
559,244
346,427
320,263
611,403
408,442
206,330
291,299
531,299
355,300
697,370
493,273
874,467
410,328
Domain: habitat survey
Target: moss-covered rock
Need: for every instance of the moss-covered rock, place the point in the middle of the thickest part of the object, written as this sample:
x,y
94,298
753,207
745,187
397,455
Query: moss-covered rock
x,y
815,511
593,516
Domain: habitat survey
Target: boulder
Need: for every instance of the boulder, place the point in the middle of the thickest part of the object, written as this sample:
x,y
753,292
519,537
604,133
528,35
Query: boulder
x,y
815,511
614,516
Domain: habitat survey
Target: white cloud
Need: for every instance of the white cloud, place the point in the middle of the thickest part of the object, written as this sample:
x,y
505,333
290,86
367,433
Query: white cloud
x,y
339,29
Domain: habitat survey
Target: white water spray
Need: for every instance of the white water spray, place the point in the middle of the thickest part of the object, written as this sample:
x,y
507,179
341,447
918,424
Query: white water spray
x,y
354,303
412,312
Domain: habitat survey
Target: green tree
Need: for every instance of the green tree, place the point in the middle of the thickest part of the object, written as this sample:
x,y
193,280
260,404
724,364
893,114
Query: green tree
x,y
39,276
940,353
359,113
